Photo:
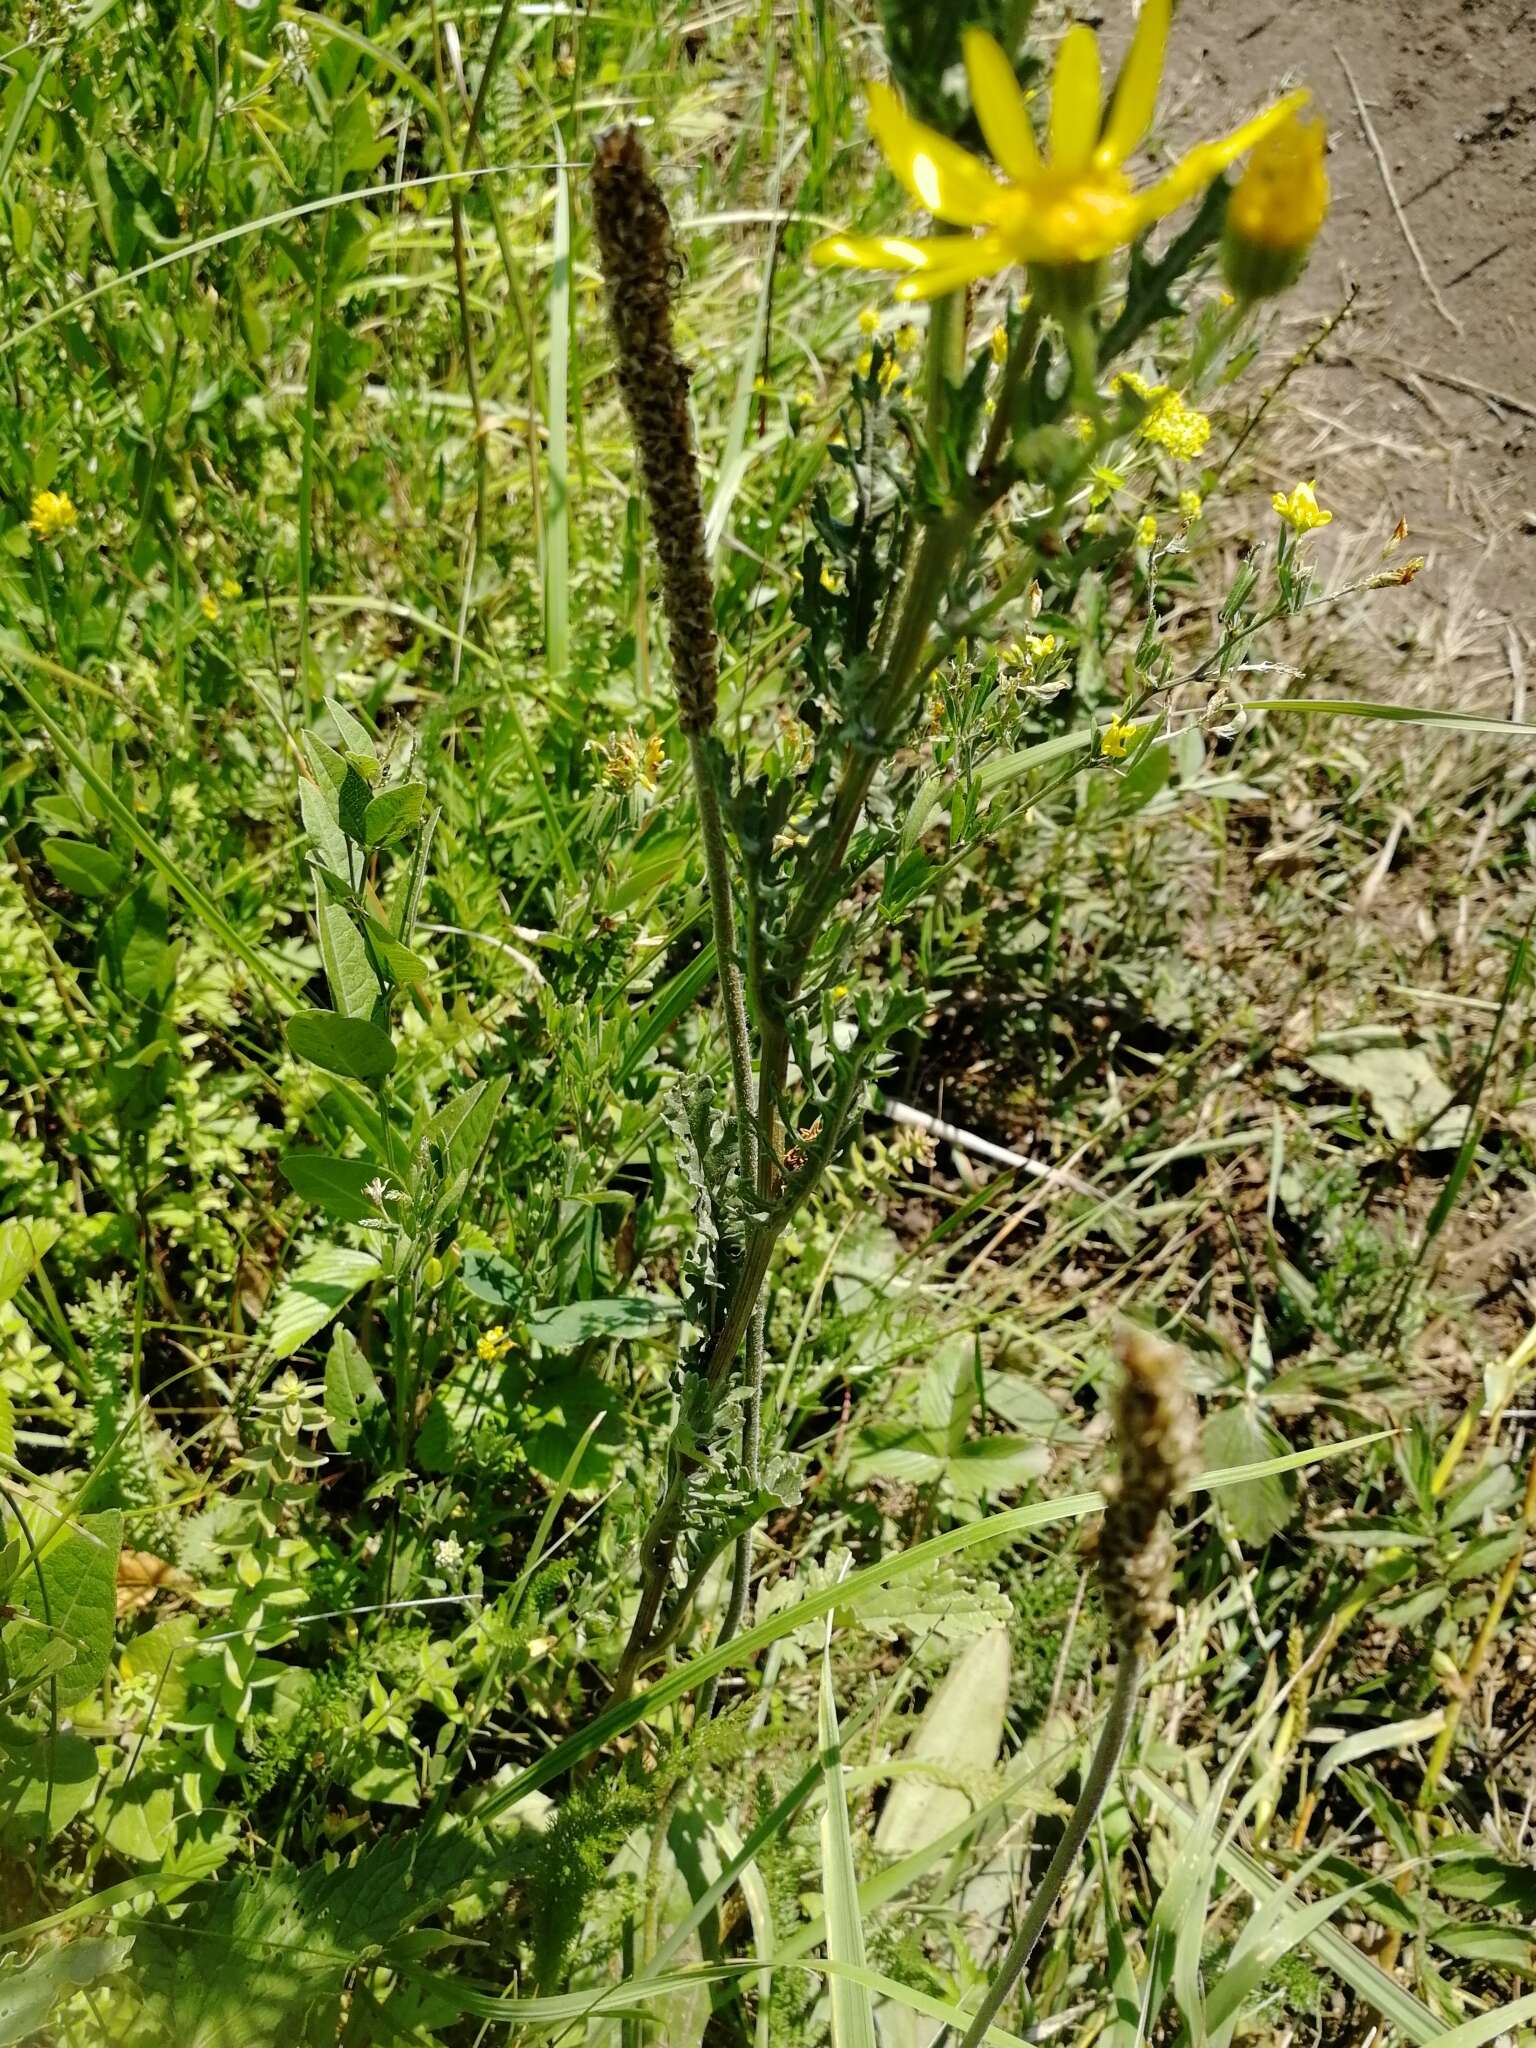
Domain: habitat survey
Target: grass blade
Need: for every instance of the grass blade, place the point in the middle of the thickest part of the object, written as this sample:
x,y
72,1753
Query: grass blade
x,y
853,2013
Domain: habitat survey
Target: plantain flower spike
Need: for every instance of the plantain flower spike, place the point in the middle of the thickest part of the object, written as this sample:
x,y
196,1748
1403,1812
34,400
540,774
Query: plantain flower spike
x,y
1156,1431
640,270
1058,213
1274,215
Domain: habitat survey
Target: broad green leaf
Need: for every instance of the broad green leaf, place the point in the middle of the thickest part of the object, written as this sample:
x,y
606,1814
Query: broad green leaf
x,y
317,807
29,1991
955,1745
138,1820
260,1961
354,985
334,1185
489,1277
399,962
393,813
24,1241
321,1286
561,1329
1401,1083
341,1045
45,1781
350,1389
566,1413
1258,1508
355,736
465,1121
71,1589
87,869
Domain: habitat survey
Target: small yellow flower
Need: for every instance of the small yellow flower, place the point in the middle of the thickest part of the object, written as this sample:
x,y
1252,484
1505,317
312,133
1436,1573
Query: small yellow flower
x,y
1301,510
831,581
1117,738
805,398
869,321
906,337
493,1345
1168,422
999,344
1274,215
761,388
229,588
653,761
53,513
866,361
208,605
1146,530
1057,212
1191,504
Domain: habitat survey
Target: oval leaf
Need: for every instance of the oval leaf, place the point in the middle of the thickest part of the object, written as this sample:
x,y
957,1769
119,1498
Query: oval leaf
x,y
342,1045
316,1290
393,813
334,1185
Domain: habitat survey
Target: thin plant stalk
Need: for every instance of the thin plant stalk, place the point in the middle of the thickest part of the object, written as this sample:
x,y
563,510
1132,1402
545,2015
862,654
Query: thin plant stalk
x,y
1101,1772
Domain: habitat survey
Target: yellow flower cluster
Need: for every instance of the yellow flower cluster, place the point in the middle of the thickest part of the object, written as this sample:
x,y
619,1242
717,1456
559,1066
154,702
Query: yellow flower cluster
x,y
1056,211
1300,510
1146,530
53,513
1169,423
1191,504
493,1346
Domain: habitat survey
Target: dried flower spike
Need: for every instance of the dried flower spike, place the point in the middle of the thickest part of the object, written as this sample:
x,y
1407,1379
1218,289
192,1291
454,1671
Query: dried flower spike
x,y
640,268
1155,1428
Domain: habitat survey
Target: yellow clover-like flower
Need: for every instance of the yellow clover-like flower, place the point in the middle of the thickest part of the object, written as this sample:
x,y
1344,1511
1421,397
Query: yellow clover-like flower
x,y
1168,422
1065,209
1118,737
53,513
1300,510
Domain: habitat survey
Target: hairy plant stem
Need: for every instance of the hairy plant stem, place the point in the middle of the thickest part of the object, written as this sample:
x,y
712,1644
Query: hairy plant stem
x,y
1100,1774
722,919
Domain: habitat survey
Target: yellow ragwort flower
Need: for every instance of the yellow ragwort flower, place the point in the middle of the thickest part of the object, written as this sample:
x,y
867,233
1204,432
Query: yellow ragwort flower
x,y
53,513
1057,212
1117,739
1274,215
1301,510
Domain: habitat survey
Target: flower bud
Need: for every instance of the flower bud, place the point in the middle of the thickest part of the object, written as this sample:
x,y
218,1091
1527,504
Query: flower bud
x,y
1276,210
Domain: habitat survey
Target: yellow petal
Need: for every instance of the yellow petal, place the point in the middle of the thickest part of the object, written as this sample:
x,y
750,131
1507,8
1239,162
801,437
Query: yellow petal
x,y
1000,107
1135,99
1075,100
969,257
952,184
1207,160
881,252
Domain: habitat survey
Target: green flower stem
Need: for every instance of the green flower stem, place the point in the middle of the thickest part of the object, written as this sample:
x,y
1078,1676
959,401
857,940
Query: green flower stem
x,y
1100,1773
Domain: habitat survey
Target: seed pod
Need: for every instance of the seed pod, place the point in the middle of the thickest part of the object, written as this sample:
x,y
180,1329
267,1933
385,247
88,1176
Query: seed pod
x,y
1156,1431
640,270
